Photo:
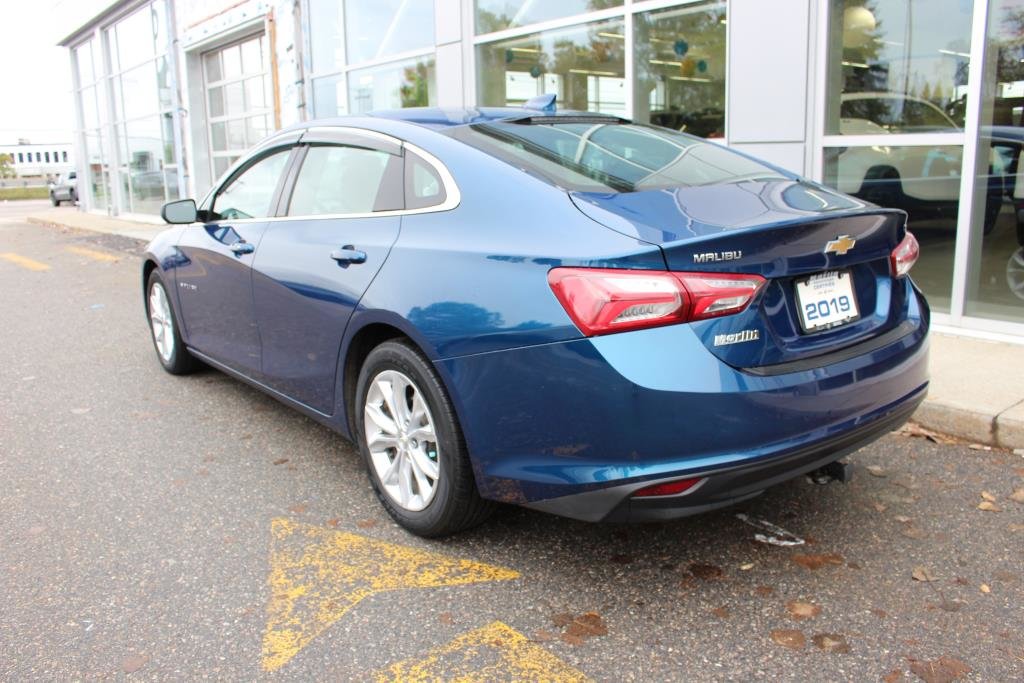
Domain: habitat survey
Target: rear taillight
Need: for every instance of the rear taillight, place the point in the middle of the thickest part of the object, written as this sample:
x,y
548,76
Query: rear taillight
x,y
904,256
607,300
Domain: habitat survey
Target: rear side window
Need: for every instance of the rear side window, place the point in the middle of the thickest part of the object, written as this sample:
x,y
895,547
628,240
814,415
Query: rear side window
x,y
593,155
423,185
347,180
249,195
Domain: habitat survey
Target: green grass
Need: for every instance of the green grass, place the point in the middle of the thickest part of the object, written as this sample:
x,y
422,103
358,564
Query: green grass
x,y
24,193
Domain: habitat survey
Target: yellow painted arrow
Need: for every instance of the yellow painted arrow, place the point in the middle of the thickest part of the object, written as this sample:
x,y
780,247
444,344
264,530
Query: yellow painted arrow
x,y
495,652
318,575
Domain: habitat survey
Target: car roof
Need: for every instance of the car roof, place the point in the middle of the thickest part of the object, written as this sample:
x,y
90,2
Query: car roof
x,y
439,118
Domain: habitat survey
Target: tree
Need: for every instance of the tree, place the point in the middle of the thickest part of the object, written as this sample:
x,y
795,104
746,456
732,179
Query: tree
x,y
6,166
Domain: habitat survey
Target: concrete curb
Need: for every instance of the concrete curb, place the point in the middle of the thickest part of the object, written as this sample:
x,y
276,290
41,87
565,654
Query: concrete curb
x,y
971,395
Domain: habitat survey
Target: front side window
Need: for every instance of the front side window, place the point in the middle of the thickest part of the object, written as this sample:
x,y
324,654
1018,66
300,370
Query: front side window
x,y
250,194
346,180
591,155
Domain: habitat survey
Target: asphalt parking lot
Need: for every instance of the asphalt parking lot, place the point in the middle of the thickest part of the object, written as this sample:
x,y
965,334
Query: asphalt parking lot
x,y
179,528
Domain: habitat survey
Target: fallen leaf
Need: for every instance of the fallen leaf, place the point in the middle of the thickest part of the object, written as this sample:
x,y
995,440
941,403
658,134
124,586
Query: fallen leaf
x,y
298,509
913,532
333,523
721,612
764,591
280,461
1014,528
989,506
880,507
831,642
1017,496
446,618
922,573
133,663
901,519
880,613
746,567
802,610
705,572
979,447
892,676
985,588
792,639
941,670
585,626
988,496
876,471
813,562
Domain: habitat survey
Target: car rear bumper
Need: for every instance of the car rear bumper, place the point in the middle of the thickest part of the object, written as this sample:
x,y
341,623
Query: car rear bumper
x,y
576,427
726,486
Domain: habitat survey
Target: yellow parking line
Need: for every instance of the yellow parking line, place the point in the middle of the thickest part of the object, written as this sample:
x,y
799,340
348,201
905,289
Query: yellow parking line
x,y
93,254
24,261
495,652
317,575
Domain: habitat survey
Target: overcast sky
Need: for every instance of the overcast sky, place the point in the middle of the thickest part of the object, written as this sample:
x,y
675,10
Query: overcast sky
x,y
35,75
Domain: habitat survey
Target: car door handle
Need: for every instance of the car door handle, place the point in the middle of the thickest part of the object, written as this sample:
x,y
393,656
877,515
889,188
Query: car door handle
x,y
348,254
242,247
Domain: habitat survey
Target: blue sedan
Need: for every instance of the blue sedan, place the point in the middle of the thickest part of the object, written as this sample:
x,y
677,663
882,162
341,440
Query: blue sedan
x,y
562,310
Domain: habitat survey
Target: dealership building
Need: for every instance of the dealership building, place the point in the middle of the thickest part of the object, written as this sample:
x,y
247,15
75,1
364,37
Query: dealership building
x,y
874,97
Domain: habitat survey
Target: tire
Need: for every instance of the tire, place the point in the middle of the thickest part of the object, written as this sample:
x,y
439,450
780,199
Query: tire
x,y
453,503
54,200
175,359
73,197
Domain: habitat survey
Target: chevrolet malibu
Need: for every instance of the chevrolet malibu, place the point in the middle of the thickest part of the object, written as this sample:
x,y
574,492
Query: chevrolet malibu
x,y
567,311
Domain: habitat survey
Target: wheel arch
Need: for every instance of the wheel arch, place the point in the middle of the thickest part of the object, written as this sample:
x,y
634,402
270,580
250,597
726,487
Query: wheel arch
x,y
366,333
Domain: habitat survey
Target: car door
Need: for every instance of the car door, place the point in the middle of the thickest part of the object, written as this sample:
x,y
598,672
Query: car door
x,y
214,285
341,217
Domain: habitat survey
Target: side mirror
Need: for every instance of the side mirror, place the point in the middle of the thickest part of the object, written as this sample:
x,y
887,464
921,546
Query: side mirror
x,y
181,211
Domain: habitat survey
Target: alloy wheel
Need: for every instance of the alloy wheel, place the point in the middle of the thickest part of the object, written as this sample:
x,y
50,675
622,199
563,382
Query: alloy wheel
x,y
161,321
399,433
1015,273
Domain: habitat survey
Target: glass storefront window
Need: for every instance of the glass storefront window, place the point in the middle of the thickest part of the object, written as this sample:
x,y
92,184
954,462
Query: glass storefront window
x,y
583,65
496,15
897,66
133,39
327,47
922,180
402,84
680,68
378,28
995,270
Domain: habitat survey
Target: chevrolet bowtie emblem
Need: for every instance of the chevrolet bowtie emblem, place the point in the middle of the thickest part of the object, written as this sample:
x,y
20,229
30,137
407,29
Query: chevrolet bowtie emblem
x,y
840,245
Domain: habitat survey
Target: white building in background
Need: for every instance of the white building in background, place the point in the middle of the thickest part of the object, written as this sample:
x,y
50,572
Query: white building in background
x,y
30,160
874,97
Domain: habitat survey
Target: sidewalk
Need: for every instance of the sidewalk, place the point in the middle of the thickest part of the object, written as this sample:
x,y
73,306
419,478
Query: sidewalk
x,y
976,389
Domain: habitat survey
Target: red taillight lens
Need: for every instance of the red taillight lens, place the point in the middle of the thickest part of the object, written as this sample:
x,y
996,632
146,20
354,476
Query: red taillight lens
x,y
607,300
904,256
669,488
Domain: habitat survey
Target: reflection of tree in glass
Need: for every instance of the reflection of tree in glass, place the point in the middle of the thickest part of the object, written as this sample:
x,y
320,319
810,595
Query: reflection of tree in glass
x,y
414,92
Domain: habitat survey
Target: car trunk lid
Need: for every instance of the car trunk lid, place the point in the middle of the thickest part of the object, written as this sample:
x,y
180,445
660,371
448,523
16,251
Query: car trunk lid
x,y
786,231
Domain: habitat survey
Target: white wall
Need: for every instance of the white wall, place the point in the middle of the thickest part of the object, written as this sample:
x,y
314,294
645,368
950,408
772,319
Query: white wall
x,y
768,80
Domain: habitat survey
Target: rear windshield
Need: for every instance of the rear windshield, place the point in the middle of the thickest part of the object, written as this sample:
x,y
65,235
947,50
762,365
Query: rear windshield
x,y
607,156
